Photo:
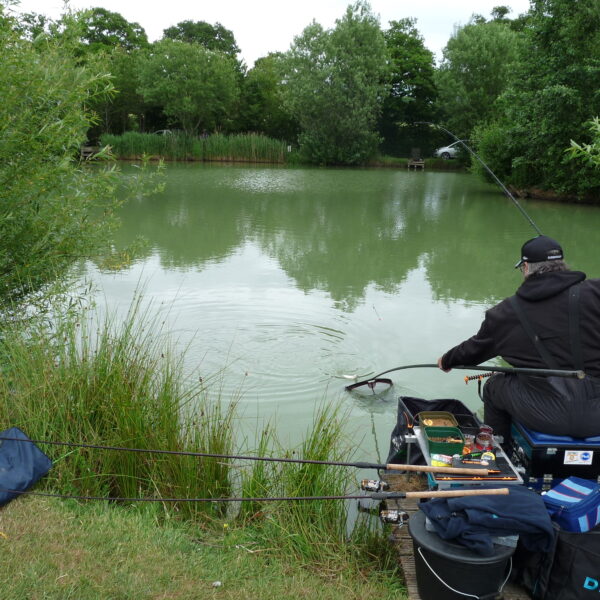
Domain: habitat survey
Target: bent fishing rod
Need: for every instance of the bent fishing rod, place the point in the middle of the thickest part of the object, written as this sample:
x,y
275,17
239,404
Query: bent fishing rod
x,y
357,465
493,175
370,382
454,493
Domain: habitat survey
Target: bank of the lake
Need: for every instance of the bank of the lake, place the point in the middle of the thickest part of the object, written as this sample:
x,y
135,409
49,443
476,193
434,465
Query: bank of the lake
x,y
57,549
240,148
110,406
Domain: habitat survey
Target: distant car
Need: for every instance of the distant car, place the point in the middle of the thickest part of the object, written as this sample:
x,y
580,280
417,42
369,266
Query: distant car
x,y
162,132
449,151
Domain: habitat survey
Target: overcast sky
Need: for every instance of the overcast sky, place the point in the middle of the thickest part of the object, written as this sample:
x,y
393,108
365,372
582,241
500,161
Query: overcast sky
x,y
263,26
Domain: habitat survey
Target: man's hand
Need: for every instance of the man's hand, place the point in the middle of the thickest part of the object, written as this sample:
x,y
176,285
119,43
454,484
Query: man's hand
x,y
439,364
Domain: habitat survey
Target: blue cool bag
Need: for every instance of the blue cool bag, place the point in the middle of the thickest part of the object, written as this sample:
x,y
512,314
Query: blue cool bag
x,y
22,463
574,504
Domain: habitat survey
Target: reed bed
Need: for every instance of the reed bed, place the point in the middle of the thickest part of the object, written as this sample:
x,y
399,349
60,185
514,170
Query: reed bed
x,y
115,385
248,147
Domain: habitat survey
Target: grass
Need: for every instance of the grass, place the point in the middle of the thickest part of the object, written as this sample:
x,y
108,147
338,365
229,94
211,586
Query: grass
x,y
248,147
60,550
118,384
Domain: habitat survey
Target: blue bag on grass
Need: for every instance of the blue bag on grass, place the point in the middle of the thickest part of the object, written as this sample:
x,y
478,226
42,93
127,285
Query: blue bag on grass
x,y
574,504
22,463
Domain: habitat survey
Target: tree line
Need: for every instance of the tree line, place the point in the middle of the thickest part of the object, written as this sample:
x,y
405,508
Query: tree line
x,y
520,90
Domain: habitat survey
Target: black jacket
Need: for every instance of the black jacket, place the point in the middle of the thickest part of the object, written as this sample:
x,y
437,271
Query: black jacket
x,y
544,299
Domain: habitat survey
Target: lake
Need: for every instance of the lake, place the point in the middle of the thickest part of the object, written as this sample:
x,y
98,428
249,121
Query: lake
x,y
278,282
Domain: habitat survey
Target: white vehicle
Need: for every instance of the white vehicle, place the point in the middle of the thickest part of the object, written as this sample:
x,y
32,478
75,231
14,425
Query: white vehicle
x,y
449,151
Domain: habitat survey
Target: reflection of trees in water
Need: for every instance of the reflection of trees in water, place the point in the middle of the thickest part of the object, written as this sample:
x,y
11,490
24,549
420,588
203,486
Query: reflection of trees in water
x,y
340,231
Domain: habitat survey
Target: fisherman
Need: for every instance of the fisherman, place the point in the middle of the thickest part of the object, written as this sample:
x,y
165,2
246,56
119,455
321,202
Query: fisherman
x,y
552,322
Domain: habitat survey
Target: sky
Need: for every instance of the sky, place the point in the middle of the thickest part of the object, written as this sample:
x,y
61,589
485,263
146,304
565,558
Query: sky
x,y
263,26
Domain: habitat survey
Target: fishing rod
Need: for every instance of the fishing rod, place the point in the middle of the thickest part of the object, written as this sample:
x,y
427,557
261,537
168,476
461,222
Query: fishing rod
x,y
493,175
372,381
454,493
358,465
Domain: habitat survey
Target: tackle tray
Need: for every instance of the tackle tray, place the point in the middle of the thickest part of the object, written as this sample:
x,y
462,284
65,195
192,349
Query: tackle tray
x,y
508,474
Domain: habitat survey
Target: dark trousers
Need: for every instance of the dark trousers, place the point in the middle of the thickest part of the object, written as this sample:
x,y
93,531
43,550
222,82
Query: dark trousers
x,y
552,405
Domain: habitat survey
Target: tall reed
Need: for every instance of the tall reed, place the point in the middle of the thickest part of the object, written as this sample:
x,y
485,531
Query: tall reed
x,y
247,147
320,531
119,385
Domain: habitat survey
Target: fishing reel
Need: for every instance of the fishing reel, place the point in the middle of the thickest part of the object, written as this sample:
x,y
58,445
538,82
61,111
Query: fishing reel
x,y
374,485
393,517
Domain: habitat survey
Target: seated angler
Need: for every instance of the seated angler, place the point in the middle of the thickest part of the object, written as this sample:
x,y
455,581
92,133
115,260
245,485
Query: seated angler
x,y
552,322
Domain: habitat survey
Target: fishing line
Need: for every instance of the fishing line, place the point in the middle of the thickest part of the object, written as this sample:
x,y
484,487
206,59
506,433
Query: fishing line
x,y
493,175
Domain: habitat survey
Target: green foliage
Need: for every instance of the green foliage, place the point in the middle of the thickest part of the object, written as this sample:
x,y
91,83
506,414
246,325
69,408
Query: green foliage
x,y
196,87
50,202
261,105
125,107
103,30
479,62
180,146
588,152
212,37
334,87
412,88
538,120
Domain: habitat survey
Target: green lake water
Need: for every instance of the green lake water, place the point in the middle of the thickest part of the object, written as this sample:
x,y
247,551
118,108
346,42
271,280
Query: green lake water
x,y
278,282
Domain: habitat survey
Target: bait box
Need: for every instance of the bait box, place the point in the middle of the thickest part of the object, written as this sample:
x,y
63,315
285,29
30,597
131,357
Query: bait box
x,y
438,447
438,418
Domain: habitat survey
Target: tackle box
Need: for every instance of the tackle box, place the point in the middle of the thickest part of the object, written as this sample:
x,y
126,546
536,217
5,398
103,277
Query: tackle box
x,y
546,459
507,474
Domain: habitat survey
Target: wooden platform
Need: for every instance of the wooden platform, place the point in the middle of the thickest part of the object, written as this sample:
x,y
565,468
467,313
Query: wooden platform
x,y
416,164
403,542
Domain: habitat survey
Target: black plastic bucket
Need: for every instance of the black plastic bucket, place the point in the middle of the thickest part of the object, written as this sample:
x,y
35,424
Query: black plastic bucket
x,y
449,571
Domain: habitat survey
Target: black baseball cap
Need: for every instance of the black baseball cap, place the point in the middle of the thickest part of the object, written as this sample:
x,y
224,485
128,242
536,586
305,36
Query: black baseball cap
x,y
538,249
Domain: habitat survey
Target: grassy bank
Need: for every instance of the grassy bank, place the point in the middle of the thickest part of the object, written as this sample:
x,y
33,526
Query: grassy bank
x,y
119,385
216,147
55,550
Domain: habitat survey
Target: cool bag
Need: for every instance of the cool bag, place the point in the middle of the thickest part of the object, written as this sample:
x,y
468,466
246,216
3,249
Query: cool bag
x,y
574,504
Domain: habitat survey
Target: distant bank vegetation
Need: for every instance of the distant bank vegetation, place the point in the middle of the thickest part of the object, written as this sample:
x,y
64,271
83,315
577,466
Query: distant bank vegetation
x,y
247,147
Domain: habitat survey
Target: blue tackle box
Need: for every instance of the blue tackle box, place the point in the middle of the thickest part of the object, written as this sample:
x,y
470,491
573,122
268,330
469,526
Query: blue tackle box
x,y
544,459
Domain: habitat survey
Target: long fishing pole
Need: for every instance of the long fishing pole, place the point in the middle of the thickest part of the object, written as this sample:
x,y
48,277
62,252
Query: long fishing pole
x,y
454,493
358,465
515,370
493,175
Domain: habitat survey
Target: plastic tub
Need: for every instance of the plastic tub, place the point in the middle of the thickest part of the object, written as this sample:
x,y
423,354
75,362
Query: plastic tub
x,y
437,418
439,447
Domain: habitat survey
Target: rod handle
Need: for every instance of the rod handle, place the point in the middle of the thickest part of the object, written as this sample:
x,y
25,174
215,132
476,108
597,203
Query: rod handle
x,y
432,469
458,492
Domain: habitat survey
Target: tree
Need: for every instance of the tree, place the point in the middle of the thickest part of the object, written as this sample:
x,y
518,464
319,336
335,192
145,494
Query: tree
x,y
553,96
478,64
261,106
412,89
334,87
212,37
54,211
101,29
196,87
123,110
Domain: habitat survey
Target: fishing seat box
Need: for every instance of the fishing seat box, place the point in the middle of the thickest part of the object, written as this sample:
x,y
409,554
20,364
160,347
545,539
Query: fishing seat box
x,y
543,459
